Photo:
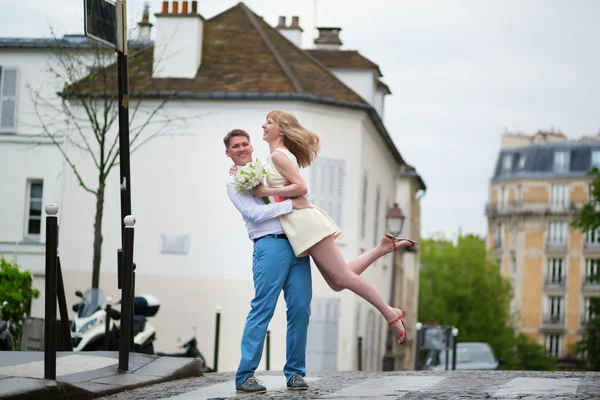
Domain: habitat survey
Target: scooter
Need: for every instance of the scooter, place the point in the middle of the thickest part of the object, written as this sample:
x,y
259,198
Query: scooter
x,y
6,341
191,350
88,329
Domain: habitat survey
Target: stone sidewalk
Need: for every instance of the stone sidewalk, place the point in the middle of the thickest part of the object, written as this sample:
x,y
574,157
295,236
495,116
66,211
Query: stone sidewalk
x,y
86,375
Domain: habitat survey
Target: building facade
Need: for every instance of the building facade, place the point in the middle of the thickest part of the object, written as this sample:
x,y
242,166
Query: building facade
x,y
191,247
539,184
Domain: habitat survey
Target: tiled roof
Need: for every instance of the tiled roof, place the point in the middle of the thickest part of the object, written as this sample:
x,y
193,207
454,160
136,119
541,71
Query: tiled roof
x,y
343,59
241,53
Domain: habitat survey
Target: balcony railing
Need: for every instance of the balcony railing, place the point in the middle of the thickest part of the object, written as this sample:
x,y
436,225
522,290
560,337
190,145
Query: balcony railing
x,y
590,284
495,209
591,247
556,246
555,283
553,322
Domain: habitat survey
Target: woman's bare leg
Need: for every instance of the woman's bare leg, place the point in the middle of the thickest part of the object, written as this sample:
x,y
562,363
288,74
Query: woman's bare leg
x,y
362,262
336,272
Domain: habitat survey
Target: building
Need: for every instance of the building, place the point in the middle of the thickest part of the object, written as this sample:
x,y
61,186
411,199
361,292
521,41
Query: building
x,y
191,248
539,183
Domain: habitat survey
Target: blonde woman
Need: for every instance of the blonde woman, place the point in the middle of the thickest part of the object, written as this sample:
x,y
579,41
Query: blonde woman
x,y
312,231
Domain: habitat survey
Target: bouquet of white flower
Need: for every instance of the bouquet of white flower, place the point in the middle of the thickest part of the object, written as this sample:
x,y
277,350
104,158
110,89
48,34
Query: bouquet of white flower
x,y
249,176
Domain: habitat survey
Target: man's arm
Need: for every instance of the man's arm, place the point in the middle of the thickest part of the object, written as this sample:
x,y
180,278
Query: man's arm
x,y
253,211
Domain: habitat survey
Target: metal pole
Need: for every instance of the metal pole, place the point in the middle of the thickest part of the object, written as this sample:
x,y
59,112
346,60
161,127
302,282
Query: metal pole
x,y
418,346
448,335
62,308
126,295
268,345
360,350
132,306
107,328
388,357
454,341
217,333
50,298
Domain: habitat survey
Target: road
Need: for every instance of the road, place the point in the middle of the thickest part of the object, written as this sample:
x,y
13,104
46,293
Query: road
x,y
392,385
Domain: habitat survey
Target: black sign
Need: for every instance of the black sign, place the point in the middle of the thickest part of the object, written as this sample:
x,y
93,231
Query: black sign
x,y
100,21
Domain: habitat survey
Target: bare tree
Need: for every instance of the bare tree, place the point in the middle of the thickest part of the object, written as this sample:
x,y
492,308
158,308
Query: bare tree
x,y
85,117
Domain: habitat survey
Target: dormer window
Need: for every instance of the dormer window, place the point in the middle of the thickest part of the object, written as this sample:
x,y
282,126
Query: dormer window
x,y
561,161
522,161
507,162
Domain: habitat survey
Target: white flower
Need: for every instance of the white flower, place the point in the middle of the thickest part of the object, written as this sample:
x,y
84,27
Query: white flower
x,y
249,176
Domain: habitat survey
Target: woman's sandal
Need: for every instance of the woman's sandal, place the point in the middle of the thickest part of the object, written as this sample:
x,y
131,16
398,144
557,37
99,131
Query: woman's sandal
x,y
402,338
395,239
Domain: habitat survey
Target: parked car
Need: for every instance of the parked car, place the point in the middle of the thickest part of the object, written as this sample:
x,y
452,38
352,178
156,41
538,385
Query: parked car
x,y
469,356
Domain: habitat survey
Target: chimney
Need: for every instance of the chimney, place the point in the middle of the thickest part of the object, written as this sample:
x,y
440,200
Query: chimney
x,y
145,26
178,41
293,32
329,38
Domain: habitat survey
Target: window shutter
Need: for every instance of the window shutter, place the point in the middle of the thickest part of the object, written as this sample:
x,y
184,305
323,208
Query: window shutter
x,y
8,100
327,186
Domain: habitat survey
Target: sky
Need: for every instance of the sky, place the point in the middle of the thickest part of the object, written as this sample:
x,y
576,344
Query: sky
x,y
461,72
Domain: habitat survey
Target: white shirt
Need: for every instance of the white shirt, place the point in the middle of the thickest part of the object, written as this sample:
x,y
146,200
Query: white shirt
x,y
260,218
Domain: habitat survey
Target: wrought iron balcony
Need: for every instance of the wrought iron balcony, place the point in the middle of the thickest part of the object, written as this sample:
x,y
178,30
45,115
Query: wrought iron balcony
x,y
590,284
517,207
556,246
555,283
553,323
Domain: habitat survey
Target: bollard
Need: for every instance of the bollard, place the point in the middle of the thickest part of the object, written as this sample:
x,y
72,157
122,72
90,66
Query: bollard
x,y
132,343
107,324
126,294
448,333
268,345
50,298
66,341
217,333
360,339
454,341
419,345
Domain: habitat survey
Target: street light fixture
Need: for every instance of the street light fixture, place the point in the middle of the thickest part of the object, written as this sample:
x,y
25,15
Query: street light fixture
x,y
394,224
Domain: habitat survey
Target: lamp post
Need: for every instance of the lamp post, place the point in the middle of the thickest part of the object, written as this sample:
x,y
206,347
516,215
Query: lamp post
x,y
394,224
454,335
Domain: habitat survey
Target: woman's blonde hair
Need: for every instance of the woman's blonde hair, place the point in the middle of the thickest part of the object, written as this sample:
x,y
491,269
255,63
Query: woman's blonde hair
x,y
301,142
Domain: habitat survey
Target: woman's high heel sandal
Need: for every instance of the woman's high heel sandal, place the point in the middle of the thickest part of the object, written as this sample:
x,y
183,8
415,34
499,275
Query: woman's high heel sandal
x,y
402,338
395,239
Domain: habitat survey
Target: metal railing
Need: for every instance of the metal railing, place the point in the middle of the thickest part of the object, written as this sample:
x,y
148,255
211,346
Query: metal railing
x,y
553,319
555,282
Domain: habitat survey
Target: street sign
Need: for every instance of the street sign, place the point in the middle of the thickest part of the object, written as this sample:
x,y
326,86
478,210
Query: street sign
x,y
100,21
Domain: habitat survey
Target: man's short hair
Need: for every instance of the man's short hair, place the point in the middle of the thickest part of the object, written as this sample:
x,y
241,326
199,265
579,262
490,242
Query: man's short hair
x,y
234,133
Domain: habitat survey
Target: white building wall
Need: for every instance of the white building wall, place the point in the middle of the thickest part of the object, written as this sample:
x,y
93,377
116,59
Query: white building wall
x,y
178,188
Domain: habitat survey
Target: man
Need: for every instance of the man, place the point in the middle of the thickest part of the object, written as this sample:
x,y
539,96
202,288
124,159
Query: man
x,y
274,268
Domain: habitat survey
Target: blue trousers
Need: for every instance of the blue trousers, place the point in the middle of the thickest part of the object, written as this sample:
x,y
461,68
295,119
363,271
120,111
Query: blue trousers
x,y
275,268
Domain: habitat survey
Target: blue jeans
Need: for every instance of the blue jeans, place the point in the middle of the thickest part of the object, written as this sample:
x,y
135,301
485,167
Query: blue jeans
x,y
275,268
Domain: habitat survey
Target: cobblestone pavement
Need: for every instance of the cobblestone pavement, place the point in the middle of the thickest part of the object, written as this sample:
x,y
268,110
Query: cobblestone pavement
x,y
387,386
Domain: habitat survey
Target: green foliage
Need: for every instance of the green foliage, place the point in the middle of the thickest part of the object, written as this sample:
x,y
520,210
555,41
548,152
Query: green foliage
x,y
461,285
588,219
15,288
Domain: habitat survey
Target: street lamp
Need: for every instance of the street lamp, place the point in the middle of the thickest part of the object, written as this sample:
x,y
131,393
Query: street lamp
x,y
394,224
454,335
395,220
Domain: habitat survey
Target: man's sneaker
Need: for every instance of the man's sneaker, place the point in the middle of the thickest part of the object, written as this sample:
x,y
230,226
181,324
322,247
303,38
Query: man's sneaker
x,y
296,382
252,385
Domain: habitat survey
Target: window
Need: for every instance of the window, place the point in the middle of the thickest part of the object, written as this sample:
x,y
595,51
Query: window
x,y
376,232
555,308
34,208
556,270
553,345
592,269
596,158
588,315
364,208
498,238
503,197
519,194
513,262
561,161
9,77
559,196
507,162
593,237
327,188
522,162
557,233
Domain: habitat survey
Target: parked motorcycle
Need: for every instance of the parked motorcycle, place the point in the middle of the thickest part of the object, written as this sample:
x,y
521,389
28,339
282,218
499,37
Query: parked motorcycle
x,y
191,350
88,329
6,341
